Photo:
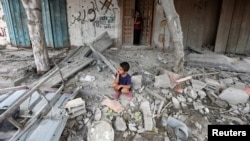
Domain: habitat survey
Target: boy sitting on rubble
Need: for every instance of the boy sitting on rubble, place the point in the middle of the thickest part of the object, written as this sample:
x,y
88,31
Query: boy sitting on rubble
x,y
122,83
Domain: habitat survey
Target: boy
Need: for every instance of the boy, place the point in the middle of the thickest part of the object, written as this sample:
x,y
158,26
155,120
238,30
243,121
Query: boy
x,y
122,82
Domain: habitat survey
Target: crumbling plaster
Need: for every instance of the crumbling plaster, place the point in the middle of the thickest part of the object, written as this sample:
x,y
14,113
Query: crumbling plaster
x,y
4,36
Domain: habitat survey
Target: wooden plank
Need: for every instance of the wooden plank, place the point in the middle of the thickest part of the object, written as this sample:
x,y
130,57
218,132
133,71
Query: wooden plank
x,y
128,30
224,25
197,21
235,26
104,59
211,22
244,31
68,71
102,42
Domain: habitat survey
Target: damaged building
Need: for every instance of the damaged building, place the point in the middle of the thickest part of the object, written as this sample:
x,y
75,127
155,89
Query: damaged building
x,y
87,39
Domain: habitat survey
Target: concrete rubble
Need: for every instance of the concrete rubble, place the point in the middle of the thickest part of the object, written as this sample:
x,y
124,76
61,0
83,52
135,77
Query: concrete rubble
x,y
161,108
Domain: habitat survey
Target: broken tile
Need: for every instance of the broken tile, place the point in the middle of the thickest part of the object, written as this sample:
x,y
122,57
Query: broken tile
x,y
113,104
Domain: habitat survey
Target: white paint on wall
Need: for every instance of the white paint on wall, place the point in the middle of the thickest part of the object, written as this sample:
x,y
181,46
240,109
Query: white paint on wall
x,y
87,19
159,28
4,35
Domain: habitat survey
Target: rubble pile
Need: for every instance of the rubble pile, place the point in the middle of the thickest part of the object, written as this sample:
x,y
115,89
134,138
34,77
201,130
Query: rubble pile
x,y
164,109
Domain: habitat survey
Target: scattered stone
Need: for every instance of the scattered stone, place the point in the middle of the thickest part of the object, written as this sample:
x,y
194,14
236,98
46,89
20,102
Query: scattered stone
x,y
162,81
201,94
120,124
191,93
132,127
147,116
98,114
136,81
234,96
101,131
176,103
198,85
212,84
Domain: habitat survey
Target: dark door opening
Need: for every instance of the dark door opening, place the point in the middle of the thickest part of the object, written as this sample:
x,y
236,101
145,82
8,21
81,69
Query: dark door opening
x,y
145,7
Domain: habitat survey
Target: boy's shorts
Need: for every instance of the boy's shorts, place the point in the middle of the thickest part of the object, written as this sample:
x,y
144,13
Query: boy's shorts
x,y
120,90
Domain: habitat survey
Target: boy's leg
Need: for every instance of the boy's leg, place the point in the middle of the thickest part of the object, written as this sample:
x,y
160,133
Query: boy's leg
x,y
117,91
127,92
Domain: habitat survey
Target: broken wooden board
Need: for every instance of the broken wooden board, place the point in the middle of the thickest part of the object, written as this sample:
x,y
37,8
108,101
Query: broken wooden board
x,y
68,71
102,42
98,54
71,57
218,61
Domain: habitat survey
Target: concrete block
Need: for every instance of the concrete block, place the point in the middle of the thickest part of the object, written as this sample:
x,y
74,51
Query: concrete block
x,y
136,81
234,96
147,116
162,81
74,103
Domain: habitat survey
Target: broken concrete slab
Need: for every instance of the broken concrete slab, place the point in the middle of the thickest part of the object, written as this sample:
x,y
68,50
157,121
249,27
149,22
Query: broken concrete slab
x,y
162,81
120,124
234,96
218,61
101,131
147,116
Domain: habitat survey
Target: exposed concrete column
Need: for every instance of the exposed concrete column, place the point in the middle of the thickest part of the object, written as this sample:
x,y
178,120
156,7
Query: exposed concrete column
x,y
33,11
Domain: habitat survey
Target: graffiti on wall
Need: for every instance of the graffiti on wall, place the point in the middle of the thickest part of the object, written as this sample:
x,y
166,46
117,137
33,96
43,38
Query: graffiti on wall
x,y
107,5
3,32
105,22
90,14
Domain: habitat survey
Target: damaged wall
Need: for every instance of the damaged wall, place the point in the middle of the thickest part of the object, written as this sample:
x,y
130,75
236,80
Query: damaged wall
x,y
89,18
160,29
4,36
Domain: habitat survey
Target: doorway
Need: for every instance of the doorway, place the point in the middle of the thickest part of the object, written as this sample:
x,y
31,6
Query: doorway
x,y
146,11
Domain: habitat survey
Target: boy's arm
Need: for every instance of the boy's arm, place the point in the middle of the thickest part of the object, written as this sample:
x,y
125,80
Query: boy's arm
x,y
116,81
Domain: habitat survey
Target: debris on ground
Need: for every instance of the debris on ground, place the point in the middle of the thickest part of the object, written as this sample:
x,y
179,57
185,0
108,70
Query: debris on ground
x,y
165,105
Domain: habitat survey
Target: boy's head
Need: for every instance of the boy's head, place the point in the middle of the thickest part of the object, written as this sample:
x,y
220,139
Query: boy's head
x,y
124,67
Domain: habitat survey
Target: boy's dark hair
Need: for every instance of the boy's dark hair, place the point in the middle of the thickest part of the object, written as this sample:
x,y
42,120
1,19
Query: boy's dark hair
x,y
125,66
